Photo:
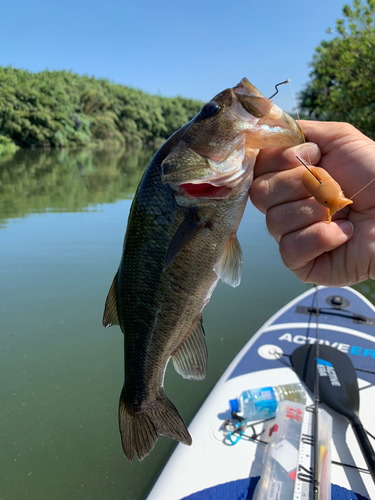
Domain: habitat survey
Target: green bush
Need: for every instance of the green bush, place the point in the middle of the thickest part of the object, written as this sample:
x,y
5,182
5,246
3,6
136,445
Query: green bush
x,y
7,146
62,109
342,86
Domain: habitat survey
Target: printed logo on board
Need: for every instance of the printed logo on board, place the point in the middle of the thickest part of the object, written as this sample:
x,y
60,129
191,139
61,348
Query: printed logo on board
x,y
340,346
326,369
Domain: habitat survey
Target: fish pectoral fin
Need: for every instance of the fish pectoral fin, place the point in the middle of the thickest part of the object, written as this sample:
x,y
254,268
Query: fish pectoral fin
x,y
184,234
229,266
190,360
110,316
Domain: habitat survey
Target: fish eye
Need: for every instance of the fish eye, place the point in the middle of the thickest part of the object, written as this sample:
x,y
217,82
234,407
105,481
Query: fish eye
x,y
210,109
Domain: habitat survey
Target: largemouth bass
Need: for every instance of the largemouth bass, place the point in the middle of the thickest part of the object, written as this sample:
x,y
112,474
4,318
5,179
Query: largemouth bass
x,y
180,240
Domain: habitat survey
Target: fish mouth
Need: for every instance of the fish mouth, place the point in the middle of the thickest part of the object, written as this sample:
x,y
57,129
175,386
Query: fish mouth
x,y
220,152
199,176
202,190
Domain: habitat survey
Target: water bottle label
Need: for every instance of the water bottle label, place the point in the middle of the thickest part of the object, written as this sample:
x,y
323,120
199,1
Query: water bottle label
x,y
265,402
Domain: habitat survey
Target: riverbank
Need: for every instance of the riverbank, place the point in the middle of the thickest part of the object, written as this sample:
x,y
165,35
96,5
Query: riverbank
x,y
55,109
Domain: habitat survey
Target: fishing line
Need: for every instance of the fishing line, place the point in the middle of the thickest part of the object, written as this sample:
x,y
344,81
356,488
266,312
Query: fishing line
x,y
364,187
295,104
288,80
298,118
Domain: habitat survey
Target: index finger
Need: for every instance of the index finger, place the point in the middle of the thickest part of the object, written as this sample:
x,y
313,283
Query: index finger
x,y
330,135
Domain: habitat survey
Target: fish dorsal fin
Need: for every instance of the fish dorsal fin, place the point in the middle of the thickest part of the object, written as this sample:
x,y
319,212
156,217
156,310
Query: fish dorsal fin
x,y
190,360
229,266
184,234
110,316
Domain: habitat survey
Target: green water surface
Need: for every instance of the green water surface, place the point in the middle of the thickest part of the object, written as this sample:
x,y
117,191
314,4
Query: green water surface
x,y
62,220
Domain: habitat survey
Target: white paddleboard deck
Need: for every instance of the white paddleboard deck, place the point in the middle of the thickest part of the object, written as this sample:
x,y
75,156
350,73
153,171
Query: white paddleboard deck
x,y
213,468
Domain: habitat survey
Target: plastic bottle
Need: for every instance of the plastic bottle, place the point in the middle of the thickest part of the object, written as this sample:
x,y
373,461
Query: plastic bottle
x,y
257,404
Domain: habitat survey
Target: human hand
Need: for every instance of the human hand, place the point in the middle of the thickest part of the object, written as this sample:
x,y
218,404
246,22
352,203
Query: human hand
x,y
336,254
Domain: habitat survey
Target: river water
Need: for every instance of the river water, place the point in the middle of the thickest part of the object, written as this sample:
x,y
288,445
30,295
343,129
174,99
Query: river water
x,y
62,220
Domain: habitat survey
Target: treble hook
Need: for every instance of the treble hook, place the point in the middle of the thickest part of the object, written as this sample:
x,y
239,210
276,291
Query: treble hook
x,y
277,90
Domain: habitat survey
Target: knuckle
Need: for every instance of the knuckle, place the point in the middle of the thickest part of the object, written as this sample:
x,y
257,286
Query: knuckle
x,y
259,193
348,128
289,251
276,221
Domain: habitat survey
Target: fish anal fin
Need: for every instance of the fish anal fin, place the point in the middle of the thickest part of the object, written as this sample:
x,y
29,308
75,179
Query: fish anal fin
x,y
189,228
190,359
110,316
140,428
228,269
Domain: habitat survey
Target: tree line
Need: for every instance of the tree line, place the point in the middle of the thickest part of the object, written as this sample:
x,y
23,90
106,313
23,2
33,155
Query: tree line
x,y
342,86
62,109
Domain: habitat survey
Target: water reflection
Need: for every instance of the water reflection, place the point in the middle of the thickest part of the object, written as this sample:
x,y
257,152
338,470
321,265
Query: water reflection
x,y
367,288
68,180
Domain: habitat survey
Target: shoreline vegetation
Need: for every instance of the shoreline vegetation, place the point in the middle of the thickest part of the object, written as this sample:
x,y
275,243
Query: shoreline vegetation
x,y
60,109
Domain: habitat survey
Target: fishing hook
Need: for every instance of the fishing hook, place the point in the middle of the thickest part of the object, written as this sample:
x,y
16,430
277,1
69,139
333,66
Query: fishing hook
x,y
277,90
311,172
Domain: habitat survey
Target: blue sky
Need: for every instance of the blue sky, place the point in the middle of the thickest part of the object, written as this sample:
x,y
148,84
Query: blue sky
x,y
194,49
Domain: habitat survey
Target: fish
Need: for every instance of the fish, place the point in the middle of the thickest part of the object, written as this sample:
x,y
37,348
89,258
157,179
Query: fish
x,y
180,240
326,191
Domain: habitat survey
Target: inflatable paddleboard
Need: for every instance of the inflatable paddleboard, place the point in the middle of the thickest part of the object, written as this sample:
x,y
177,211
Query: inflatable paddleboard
x,y
215,468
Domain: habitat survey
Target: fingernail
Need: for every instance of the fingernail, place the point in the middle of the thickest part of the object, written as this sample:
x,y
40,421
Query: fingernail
x,y
346,227
310,153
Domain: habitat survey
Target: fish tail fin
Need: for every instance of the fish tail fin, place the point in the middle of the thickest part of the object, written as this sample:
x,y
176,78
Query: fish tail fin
x,y
140,429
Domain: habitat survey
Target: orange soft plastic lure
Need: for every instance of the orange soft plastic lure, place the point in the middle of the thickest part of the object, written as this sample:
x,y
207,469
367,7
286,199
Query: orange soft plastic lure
x,y
324,189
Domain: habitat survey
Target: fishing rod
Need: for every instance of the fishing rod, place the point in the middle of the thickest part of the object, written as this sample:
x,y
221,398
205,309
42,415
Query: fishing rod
x,y
316,476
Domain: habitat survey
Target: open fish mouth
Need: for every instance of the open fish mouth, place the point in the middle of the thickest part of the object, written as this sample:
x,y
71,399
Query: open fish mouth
x,y
219,148
212,178
202,190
